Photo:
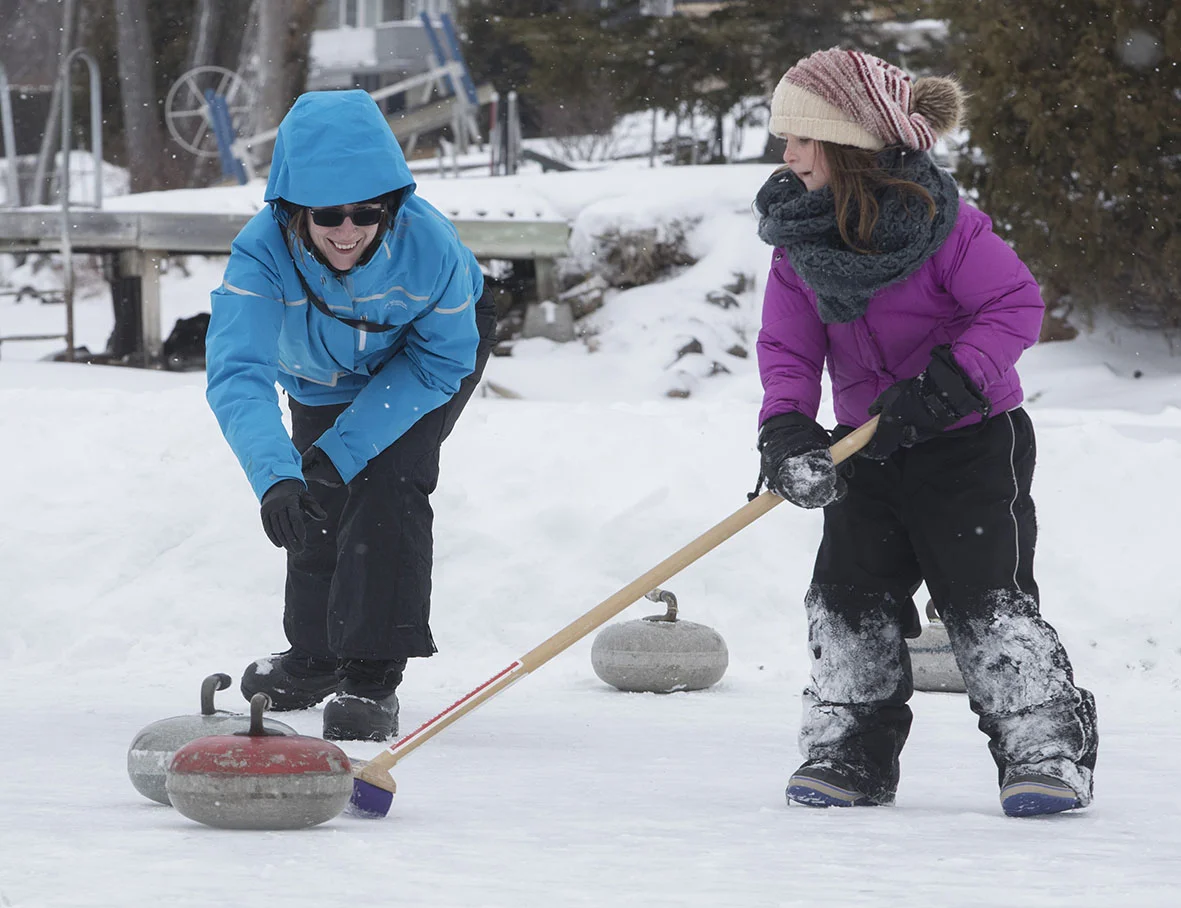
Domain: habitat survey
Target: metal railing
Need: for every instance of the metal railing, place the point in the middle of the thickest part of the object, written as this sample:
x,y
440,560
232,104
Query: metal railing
x,y
13,199
96,153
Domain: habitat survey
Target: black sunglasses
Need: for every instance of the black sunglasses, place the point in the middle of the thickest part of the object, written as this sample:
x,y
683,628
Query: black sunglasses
x,y
334,217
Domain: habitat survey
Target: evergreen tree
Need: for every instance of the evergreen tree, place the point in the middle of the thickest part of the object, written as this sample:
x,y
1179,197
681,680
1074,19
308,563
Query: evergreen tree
x,y
1078,127
601,61
594,61
499,38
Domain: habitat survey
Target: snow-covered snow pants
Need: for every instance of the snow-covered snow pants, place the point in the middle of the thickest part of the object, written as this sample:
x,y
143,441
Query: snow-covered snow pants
x,y
362,587
954,512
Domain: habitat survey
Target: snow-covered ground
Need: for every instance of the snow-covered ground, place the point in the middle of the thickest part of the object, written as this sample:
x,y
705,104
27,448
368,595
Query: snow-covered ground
x,y
132,565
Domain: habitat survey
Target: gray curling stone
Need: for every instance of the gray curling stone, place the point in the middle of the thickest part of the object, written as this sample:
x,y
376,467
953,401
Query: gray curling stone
x,y
932,662
260,779
152,749
659,654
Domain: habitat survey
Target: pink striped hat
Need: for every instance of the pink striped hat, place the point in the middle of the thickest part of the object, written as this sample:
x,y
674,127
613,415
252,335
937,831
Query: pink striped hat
x,y
851,98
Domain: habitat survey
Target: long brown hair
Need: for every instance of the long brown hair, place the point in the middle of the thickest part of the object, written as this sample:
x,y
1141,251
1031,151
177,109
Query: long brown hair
x,y
297,227
856,180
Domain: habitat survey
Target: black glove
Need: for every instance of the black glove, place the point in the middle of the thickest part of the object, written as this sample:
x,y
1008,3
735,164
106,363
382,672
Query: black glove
x,y
796,462
284,507
922,407
318,467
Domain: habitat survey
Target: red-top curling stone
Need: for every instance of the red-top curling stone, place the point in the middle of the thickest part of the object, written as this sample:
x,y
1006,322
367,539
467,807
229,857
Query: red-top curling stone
x,y
259,779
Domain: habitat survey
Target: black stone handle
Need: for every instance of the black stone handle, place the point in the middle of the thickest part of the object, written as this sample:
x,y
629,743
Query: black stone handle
x,y
259,704
213,683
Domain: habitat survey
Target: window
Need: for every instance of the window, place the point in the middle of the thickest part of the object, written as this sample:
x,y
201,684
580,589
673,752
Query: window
x,y
391,10
369,82
348,13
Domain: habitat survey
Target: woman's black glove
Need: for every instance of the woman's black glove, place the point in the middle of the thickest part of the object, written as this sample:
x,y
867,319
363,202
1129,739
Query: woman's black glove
x,y
796,462
922,407
284,507
318,467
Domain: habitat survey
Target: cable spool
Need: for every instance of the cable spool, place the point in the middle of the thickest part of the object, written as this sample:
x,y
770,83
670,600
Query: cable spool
x,y
660,653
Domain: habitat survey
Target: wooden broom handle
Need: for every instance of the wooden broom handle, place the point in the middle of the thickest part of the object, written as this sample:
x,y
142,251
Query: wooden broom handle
x,y
854,441
681,559
607,609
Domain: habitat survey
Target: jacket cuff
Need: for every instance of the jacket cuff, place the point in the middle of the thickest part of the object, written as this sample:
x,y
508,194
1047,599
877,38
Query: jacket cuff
x,y
792,419
347,464
263,483
806,432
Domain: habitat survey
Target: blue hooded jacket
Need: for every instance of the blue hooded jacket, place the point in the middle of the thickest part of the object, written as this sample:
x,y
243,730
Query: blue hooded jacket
x,y
335,148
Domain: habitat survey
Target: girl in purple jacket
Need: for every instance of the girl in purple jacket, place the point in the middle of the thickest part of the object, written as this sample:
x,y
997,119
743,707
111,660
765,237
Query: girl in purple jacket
x,y
920,312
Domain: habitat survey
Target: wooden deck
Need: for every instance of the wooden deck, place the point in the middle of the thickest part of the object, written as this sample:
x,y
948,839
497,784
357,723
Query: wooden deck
x,y
180,233
134,242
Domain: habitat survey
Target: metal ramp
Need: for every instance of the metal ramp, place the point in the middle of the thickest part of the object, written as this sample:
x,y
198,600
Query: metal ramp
x,y
407,126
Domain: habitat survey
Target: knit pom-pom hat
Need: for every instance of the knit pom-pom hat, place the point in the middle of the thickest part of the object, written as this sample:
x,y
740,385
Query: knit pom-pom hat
x,y
851,98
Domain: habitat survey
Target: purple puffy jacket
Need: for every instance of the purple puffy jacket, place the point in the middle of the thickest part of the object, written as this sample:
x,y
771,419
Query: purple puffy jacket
x,y
974,294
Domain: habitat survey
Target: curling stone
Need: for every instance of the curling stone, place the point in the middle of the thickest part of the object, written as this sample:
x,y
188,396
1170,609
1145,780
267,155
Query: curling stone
x,y
932,662
659,654
152,749
259,778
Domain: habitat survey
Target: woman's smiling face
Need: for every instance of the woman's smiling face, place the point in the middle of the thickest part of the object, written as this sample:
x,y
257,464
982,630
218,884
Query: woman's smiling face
x,y
343,245
806,159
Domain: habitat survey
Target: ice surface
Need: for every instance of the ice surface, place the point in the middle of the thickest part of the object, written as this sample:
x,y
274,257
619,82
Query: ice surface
x,y
132,564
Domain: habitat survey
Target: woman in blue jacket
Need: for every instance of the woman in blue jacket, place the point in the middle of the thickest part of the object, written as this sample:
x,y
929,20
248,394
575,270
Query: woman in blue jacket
x,y
358,298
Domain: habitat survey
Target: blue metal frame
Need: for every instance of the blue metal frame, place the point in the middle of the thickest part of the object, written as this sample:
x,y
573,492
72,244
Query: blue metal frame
x,y
469,87
223,131
437,49
452,53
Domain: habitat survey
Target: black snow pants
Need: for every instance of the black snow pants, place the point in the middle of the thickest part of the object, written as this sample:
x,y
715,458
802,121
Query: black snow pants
x,y
361,589
954,512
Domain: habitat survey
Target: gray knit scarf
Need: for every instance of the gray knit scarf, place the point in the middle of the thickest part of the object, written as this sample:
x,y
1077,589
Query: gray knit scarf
x,y
804,224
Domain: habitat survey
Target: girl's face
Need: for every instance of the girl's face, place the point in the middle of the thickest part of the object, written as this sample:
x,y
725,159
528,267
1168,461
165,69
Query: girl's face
x,y
338,237
806,159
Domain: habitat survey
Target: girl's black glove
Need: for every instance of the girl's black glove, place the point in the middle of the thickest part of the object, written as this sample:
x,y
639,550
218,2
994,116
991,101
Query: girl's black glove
x,y
922,407
284,507
796,463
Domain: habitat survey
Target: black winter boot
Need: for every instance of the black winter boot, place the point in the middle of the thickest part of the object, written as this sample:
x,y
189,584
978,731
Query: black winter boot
x,y
352,718
292,679
1033,794
366,705
824,783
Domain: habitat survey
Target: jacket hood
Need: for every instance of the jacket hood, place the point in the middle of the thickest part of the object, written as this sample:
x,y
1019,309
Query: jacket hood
x,y
335,148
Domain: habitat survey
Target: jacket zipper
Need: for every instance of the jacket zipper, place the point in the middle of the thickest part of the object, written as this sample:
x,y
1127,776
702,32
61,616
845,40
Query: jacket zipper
x,y
348,281
877,349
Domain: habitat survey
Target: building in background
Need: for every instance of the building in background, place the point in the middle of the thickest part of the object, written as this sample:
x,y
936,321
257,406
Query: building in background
x,y
369,44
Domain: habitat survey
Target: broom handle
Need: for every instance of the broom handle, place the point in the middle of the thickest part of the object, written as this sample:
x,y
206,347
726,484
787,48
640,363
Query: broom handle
x,y
607,609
